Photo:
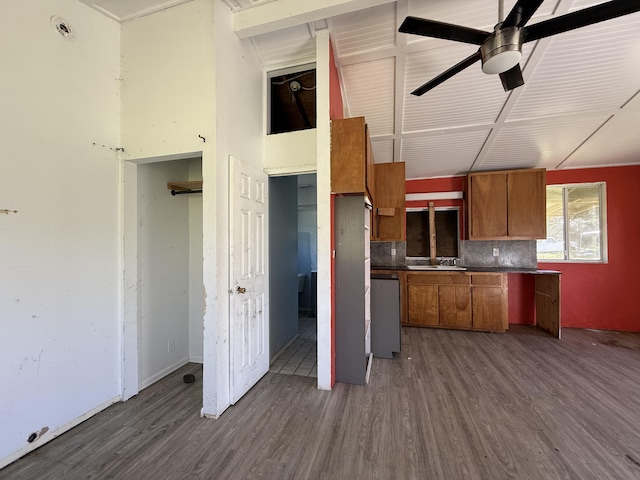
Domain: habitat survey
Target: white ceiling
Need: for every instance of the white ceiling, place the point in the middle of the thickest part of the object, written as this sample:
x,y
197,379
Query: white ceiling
x,y
578,108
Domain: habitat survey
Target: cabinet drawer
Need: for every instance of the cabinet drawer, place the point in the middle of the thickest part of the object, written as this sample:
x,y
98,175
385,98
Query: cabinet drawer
x,y
490,279
437,279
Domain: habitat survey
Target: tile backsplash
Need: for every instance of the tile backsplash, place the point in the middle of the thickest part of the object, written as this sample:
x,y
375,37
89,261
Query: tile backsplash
x,y
381,254
473,253
511,253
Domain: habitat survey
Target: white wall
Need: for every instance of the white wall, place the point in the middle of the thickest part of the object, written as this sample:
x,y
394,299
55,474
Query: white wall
x,y
291,152
59,308
196,289
239,132
172,94
323,185
168,72
163,271
167,105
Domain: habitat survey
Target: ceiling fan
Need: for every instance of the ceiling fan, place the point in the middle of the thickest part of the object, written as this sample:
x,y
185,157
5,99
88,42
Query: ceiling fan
x,y
501,50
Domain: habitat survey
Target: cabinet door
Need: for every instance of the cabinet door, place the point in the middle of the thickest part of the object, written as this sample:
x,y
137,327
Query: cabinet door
x,y
488,313
487,206
526,213
389,205
423,304
455,306
548,303
348,156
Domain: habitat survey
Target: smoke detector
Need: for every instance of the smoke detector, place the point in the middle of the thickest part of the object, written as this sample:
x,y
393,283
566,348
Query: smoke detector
x,y
63,27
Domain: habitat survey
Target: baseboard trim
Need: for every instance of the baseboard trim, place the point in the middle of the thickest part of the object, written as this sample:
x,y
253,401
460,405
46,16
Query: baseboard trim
x,y
50,435
163,373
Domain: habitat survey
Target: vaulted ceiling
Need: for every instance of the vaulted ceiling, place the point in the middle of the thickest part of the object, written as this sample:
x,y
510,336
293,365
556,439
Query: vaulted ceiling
x,y
579,107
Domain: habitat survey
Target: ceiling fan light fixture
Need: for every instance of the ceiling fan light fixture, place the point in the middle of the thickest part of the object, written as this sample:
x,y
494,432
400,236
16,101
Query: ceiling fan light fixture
x,y
501,51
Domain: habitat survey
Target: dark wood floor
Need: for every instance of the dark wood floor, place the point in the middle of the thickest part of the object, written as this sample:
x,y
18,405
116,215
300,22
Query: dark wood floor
x,y
453,405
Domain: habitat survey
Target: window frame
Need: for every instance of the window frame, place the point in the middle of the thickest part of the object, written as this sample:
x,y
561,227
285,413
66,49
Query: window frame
x,y
602,198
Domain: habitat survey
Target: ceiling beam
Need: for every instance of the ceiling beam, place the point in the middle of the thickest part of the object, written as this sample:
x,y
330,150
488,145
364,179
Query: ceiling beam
x,y
402,10
281,14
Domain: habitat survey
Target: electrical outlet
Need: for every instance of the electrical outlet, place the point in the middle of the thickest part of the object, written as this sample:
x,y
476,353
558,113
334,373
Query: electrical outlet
x,y
393,252
171,346
496,252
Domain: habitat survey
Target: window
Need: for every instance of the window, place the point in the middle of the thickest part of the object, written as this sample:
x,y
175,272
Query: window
x,y
447,232
576,226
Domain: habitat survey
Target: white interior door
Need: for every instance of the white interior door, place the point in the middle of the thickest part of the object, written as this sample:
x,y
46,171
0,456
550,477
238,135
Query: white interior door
x,y
249,313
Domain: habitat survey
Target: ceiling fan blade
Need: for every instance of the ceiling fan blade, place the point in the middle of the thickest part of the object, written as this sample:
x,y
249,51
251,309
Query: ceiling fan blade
x,y
447,74
521,12
581,18
512,78
447,31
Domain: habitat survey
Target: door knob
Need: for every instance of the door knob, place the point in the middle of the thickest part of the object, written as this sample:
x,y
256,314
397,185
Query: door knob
x,y
241,290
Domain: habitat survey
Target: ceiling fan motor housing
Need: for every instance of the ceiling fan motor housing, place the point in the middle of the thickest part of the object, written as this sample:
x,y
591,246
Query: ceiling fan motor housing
x,y
502,50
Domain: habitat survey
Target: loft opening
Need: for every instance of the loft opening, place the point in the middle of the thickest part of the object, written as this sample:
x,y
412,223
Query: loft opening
x,y
292,99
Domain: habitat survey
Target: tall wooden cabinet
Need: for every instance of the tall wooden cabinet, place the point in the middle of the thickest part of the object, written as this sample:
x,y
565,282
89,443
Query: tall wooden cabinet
x,y
388,216
508,204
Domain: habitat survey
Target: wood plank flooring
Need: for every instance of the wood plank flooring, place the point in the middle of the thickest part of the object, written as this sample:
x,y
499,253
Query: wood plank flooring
x,y
452,405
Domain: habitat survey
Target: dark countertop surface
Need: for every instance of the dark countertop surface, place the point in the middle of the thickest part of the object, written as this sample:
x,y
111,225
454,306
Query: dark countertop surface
x,y
534,271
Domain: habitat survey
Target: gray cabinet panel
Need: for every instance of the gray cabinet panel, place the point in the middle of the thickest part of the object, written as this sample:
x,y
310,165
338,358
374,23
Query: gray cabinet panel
x,y
350,329
385,317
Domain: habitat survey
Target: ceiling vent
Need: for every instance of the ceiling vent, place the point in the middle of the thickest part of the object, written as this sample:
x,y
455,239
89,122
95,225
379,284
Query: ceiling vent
x,y
63,27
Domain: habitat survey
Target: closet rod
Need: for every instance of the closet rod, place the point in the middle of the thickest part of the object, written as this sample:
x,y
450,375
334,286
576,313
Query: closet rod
x,y
184,192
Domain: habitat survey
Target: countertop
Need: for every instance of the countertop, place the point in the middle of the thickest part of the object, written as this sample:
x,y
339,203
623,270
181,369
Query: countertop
x,y
533,271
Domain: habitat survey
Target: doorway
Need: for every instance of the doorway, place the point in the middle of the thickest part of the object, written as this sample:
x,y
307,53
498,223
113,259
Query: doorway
x,y
293,260
164,295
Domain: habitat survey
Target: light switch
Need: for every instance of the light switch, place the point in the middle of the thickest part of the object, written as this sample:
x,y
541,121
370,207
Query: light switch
x,y
496,251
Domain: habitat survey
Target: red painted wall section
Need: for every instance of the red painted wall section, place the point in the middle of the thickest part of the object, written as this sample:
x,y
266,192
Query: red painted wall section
x,y
604,296
336,105
429,185
522,301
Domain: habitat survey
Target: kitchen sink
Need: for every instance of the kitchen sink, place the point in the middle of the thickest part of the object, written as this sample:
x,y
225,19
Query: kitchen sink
x,y
435,267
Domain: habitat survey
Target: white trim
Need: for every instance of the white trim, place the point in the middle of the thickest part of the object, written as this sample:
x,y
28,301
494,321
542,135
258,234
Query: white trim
x,y
163,373
47,437
413,197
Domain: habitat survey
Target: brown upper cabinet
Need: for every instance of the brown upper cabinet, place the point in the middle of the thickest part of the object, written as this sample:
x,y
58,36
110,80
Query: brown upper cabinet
x,y
351,157
507,205
389,207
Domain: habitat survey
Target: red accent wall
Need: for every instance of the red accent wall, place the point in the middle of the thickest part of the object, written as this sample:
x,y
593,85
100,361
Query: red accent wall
x,y
336,105
599,296
604,296
522,299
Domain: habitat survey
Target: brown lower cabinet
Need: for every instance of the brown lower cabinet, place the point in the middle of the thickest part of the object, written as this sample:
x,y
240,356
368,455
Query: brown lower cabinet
x,y
490,302
470,301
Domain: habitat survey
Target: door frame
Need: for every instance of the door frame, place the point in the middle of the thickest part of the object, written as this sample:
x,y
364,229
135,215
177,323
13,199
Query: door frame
x,y
130,314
